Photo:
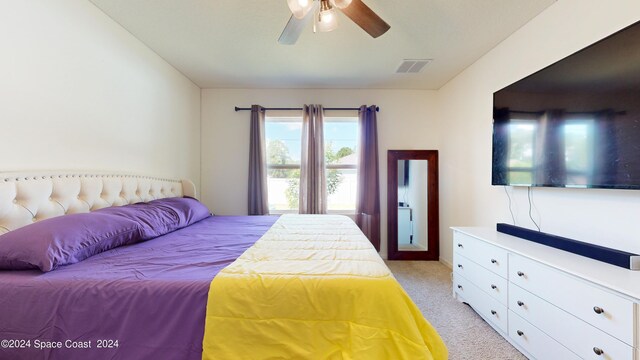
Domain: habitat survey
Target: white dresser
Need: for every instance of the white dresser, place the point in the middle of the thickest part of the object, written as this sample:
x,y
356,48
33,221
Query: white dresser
x,y
405,226
548,303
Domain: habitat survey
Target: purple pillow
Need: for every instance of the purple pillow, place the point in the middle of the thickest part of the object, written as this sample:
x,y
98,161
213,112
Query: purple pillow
x,y
162,216
69,239
63,240
188,210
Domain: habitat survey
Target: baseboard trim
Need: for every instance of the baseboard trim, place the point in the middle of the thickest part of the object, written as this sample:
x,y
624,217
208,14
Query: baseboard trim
x,y
446,263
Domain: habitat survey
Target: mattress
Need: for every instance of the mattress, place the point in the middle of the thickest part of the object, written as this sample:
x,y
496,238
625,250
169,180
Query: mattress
x,y
144,301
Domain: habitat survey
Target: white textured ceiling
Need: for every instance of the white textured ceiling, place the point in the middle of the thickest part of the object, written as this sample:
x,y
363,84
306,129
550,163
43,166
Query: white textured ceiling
x,y
233,43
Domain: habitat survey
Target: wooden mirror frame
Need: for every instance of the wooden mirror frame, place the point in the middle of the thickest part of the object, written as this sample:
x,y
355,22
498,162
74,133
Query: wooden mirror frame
x,y
433,221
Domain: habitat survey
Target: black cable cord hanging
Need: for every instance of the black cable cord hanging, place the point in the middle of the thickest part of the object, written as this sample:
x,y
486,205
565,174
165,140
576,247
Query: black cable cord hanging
x,y
530,216
513,218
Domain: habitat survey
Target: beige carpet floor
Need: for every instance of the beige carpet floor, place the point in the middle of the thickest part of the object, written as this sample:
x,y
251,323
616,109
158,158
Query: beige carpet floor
x,y
467,335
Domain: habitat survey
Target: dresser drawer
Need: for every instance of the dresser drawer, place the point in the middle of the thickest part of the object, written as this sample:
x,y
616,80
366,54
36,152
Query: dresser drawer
x,y
535,342
486,255
487,281
602,309
482,303
575,334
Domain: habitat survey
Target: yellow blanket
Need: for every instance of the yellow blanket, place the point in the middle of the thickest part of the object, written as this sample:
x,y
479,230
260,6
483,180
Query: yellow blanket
x,y
313,287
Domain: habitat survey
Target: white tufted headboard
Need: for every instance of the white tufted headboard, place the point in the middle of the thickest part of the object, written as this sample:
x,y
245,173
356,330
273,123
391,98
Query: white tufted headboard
x,y
29,197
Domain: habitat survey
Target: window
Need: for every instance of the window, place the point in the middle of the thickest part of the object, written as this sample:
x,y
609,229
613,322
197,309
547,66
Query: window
x,y
283,143
283,138
341,159
579,151
522,136
574,137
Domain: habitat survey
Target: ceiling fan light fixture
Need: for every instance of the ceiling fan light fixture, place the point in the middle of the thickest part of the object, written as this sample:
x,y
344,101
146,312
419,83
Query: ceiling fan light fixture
x,y
324,16
300,8
341,4
327,18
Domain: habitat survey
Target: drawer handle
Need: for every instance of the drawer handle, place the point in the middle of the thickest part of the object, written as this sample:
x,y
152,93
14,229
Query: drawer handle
x,y
494,261
493,287
460,287
460,266
520,303
460,246
598,351
493,312
598,310
520,273
519,332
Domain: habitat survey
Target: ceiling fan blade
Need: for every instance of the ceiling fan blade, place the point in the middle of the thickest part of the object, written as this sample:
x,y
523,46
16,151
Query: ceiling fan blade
x,y
294,28
364,17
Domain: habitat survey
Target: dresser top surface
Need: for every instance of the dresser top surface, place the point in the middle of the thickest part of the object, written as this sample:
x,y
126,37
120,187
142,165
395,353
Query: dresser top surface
x,y
621,280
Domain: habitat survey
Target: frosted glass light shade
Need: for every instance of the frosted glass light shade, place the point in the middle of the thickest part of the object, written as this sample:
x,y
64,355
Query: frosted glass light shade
x,y
327,21
300,8
341,3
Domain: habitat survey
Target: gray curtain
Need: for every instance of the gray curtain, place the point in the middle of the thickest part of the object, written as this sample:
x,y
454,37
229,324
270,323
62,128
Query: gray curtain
x,y
368,197
313,182
258,199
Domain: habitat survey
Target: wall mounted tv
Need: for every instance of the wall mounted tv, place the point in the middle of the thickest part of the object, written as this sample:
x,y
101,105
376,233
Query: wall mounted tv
x,y
575,123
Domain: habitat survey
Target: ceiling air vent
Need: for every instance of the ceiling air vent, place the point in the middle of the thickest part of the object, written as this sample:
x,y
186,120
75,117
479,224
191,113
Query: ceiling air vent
x,y
412,66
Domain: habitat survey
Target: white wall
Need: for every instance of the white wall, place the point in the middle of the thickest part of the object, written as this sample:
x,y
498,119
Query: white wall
x,y
407,120
606,217
77,91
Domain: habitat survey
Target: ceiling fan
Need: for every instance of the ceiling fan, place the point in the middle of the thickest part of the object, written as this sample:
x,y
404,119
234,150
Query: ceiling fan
x,y
322,13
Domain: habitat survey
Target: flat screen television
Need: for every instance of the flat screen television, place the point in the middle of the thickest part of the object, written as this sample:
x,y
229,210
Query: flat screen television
x,y
575,123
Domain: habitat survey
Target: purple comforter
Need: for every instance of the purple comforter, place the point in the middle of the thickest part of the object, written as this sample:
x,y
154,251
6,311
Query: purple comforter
x,y
144,301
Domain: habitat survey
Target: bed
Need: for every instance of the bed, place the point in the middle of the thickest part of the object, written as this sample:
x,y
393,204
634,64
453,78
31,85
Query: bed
x,y
219,288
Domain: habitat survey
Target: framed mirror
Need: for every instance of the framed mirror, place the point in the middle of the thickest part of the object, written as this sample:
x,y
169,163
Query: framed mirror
x,y
412,203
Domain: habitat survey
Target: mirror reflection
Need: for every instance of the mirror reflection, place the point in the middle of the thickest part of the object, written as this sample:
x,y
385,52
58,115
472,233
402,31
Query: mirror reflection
x,y
412,205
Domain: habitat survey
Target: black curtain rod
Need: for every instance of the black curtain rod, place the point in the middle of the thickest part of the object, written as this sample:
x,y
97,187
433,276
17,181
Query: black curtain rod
x,y
300,109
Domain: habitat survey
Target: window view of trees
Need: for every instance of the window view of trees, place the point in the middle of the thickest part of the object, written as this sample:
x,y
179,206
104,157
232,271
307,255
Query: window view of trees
x,y
283,137
334,177
278,154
